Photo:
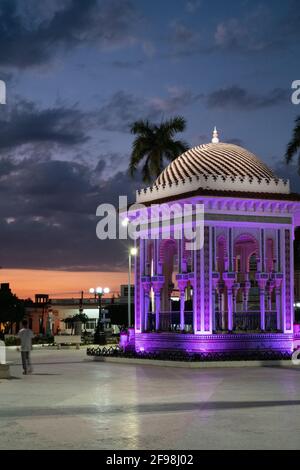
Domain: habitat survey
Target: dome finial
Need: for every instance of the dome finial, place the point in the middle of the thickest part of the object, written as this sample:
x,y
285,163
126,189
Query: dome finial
x,y
215,136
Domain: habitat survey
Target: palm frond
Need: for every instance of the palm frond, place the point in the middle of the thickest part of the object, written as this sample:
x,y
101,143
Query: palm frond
x,y
153,143
140,149
294,144
141,127
146,175
175,148
174,125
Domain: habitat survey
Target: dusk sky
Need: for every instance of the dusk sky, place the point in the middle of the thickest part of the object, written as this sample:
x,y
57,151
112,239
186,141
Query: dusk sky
x,y
79,72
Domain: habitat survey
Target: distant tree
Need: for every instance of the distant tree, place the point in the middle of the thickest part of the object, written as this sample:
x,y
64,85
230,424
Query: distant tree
x,y
76,321
154,144
12,309
294,145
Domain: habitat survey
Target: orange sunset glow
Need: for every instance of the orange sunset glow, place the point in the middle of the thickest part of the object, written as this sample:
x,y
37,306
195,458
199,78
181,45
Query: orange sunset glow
x,y
28,282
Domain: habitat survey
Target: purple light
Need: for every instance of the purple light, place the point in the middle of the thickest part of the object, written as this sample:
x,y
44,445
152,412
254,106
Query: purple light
x,y
220,281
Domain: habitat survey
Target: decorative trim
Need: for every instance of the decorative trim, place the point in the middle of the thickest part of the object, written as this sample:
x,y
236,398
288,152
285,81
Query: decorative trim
x,y
288,299
207,270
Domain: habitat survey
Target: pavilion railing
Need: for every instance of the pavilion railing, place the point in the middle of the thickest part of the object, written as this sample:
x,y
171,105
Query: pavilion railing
x,y
170,321
242,321
247,321
271,320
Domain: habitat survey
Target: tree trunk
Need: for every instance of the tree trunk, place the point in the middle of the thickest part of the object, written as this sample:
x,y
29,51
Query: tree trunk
x,y
78,327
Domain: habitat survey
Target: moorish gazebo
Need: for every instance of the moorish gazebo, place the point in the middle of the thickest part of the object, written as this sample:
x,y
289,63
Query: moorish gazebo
x,y
236,293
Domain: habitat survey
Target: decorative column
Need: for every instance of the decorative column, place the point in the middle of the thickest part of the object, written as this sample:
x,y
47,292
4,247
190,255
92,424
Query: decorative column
x,y
246,286
261,260
235,290
215,282
147,269
182,261
262,279
221,298
270,289
138,294
202,287
277,279
146,283
157,283
288,317
182,283
191,278
197,283
229,279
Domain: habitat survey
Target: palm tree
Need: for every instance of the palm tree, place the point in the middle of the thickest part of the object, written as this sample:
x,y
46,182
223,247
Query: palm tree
x,y
154,143
294,144
75,322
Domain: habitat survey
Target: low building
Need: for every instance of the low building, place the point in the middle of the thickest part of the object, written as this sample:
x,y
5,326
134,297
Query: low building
x,y
42,319
123,299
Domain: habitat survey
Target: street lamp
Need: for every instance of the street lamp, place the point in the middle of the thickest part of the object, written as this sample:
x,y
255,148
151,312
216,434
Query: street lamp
x,y
99,333
132,252
125,222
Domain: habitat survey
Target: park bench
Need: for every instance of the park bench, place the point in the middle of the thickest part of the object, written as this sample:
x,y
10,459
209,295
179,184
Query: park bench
x,y
59,340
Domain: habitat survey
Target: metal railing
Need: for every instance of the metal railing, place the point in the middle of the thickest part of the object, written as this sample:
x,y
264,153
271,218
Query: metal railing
x,y
170,321
271,320
242,321
247,321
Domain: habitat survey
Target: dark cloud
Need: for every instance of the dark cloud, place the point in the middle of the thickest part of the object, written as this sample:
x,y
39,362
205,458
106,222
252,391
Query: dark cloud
x,y
192,6
25,123
176,100
47,215
258,31
127,64
122,108
183,40
289,172
119,111
27,39
235,97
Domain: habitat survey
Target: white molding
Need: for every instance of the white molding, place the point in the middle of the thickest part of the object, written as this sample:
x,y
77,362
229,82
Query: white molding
x,y
209,182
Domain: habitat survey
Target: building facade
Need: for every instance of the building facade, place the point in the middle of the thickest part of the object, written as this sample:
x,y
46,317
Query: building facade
x,y
236,291
42,319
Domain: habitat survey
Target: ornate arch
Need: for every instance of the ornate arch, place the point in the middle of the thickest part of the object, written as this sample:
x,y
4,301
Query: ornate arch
x,y
163,248
245,236
253,250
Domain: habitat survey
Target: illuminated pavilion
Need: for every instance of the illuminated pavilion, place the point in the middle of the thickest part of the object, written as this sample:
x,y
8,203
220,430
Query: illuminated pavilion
x,y
236,293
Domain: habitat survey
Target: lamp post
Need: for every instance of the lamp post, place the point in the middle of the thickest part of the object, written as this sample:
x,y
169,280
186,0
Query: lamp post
x,y
132,252
99,332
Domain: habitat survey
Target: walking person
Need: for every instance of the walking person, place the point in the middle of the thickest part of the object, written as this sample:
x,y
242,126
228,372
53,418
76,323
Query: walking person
x,y
26,335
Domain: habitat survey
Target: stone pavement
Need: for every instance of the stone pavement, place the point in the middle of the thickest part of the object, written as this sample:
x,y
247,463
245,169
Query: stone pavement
x,y
71,402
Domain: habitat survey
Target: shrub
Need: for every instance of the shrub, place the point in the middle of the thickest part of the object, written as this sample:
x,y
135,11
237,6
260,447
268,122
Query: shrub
x,y
43,339
12,341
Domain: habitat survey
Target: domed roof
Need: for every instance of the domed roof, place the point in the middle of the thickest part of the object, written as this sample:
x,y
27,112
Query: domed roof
x,y
216,159
216,166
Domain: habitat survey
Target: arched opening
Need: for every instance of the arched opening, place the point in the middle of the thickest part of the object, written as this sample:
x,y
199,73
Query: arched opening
x,y
246,314
221,254
168,252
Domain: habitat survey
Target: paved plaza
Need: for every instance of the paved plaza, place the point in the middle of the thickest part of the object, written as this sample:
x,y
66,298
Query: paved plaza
x,y
71,402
